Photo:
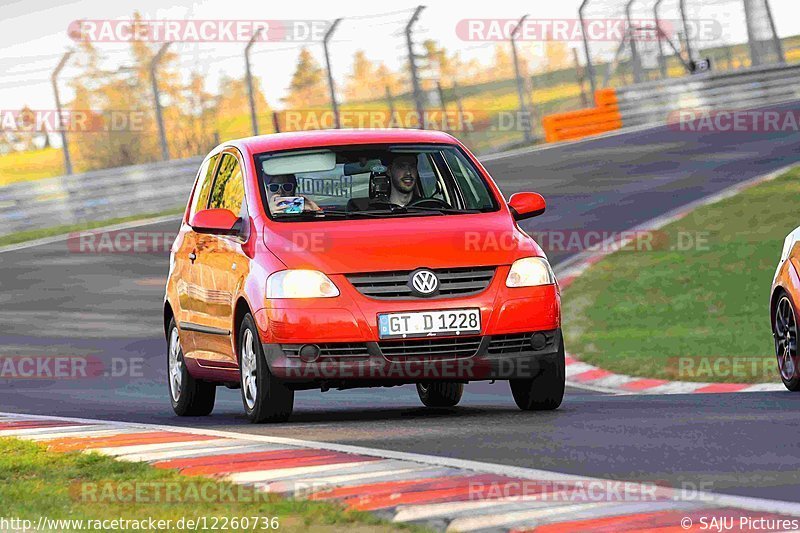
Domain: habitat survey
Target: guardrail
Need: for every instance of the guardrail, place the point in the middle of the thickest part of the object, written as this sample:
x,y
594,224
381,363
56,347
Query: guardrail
x,y
654,102
97,195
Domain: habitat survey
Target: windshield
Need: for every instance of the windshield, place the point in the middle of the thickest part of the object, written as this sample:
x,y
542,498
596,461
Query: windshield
x,y
373,181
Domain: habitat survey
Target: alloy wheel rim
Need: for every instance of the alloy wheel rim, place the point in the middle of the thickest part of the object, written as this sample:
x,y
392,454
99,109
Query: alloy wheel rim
x,y
175,365
786,338
249,383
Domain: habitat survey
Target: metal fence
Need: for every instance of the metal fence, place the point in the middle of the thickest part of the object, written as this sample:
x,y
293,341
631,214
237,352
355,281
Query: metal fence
x,y
676,38
96,196
746,38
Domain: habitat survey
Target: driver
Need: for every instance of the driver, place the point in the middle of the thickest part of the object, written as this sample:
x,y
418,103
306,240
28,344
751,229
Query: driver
x,y
284,186
404,176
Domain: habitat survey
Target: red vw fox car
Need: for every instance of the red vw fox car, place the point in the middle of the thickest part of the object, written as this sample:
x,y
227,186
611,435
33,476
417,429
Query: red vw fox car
x,y
341,259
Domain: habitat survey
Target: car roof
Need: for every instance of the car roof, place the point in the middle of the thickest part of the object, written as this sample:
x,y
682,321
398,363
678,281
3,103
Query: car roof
x,y
311,139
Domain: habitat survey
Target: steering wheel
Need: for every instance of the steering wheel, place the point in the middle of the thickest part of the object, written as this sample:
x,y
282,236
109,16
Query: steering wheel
x,y
429,202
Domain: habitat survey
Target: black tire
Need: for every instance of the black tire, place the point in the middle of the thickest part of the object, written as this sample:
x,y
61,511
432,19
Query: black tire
x,y
189,396
545,391
268,400
440,393
784,332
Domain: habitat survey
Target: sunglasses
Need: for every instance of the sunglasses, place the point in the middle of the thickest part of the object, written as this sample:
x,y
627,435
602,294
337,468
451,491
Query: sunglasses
x,y
281,187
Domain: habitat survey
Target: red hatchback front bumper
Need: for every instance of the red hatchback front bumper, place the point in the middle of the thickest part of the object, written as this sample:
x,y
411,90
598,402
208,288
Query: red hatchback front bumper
x,y
520,328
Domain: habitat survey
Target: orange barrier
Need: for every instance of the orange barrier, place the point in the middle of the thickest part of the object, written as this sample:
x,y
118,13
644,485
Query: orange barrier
x,y
585,122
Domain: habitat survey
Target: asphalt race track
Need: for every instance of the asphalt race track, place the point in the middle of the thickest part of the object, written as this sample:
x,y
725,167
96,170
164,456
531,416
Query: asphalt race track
x,y
108,306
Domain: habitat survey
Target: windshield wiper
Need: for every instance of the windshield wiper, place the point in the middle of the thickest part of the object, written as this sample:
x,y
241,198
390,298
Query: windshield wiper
x,y
452,210
390,210
354,213
393,211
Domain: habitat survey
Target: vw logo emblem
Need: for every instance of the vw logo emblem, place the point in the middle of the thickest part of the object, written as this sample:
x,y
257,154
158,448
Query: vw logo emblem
x,y
424,282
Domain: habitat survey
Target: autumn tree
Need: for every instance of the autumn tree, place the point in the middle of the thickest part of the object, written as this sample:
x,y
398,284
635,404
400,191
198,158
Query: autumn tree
x,y
502,63
308,83
233,108
385,77
444,66
361,83
557,55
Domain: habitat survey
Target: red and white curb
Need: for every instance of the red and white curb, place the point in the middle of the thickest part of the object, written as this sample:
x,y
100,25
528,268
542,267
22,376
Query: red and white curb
x,y
584,375
444,493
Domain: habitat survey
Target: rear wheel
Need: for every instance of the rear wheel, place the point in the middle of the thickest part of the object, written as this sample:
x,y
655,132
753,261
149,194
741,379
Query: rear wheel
x,y
440,393
784,330
265,397
189,396
545,391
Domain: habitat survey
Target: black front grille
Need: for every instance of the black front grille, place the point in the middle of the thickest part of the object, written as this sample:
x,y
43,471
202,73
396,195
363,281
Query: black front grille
x,y
394,285
516,342
427,349
338,350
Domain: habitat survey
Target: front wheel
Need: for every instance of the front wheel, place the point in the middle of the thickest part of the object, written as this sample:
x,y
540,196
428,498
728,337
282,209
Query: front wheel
x,y
440,393
189,396
545,391
265,398
784,328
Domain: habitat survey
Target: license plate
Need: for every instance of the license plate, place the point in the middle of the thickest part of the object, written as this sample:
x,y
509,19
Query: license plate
x,y
429,323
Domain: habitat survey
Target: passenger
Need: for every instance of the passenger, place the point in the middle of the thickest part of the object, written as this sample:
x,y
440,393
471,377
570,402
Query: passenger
x,y
284,186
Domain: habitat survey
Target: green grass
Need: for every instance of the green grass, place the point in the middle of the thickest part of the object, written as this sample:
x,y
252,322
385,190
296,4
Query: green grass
x,y
636,312
30,235
73,485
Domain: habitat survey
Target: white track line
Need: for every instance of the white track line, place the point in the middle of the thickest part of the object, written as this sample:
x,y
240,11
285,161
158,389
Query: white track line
x,y
754,504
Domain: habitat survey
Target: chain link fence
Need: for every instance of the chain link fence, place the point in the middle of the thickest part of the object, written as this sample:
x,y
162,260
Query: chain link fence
x,y
490,92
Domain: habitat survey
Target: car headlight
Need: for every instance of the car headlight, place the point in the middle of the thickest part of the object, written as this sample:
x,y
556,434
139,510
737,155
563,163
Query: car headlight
x,y
530,272
300,284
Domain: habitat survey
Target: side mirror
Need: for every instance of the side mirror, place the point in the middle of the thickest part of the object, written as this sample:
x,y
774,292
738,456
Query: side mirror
x,y
526,205
216,222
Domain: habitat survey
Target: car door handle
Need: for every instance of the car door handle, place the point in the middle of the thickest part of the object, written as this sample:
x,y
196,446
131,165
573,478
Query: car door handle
x,y
192,257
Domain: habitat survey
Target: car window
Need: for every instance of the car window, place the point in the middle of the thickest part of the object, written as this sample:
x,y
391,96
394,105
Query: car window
x,y
228,191
314,183
429,180
203,191
467,178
